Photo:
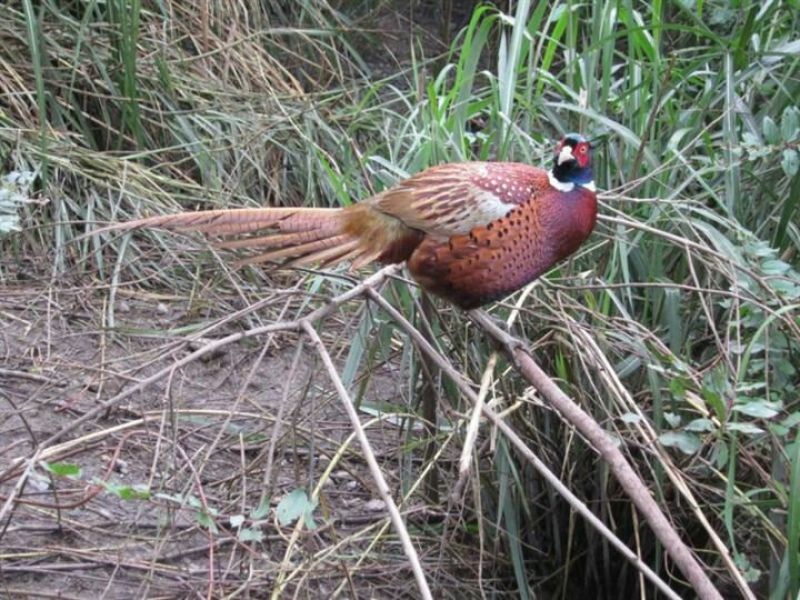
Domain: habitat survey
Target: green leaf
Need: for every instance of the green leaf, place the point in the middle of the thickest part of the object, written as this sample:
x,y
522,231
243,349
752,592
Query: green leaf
x,y
686,442
309,521
790,162
792,420
761,409
296,505
700,426
771,132
204,520
630,417
784,367
672,419
62,469
785,287
747,428
251,534
750,139
127,492
751,574
715,388
720,453
261,511
778,430
716,403
790,124
774,267
677,387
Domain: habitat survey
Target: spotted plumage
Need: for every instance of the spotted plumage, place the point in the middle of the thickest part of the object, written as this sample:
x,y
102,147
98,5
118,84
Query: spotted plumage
x,y
471,232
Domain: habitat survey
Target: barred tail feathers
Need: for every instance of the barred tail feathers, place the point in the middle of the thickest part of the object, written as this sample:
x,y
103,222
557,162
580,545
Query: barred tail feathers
x,y
234,221
290,236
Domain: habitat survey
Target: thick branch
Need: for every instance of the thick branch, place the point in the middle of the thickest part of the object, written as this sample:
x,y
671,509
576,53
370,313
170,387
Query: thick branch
x,y
579,507
627,477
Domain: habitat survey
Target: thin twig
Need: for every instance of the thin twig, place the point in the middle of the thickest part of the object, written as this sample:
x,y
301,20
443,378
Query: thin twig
x,y
474,420
10,502
374,468
266,488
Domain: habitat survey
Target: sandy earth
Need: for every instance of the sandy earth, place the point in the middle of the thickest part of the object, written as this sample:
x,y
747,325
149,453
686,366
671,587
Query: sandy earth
x,y
199,436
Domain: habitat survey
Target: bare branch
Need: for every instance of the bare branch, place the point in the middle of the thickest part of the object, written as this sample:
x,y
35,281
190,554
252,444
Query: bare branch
x,y
520,445
624,473
374,468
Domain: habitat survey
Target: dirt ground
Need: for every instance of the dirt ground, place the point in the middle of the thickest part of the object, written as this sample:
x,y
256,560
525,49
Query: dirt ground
x,y
198,438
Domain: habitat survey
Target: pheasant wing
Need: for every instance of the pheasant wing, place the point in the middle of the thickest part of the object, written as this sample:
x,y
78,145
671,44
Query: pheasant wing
x,y
453,199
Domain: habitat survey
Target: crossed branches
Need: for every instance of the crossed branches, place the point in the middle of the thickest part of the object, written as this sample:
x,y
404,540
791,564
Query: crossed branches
x,y
521,359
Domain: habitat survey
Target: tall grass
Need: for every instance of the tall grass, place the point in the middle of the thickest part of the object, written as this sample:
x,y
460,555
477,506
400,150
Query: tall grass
x,y
680,312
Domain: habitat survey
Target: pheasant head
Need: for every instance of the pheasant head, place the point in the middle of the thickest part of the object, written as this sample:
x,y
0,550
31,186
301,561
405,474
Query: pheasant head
x,y
572,163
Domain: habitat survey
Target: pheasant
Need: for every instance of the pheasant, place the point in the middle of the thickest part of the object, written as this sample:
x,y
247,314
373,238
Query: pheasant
x,y
471,232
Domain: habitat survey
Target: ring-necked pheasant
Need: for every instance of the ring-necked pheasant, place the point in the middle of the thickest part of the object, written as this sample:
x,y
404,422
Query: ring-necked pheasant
x,y
471,232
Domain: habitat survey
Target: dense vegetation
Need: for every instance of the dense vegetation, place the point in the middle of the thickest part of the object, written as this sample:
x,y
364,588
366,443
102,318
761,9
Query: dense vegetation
x,y
677,325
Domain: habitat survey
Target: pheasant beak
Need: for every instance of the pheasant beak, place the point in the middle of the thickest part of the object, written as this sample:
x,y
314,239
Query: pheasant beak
x,y
565,154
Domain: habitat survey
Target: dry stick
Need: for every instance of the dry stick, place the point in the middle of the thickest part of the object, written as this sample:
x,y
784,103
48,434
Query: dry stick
x,y
372,462
10,502
526,452
488,372
627,477
608,374
474,421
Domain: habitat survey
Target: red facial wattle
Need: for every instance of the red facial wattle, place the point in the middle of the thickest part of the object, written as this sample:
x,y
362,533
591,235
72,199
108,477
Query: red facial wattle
x,y
581,153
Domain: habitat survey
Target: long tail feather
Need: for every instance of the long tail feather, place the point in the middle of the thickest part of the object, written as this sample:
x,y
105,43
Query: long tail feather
x,y
300,251
327,256
363,257
293,236
276,240
235,221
